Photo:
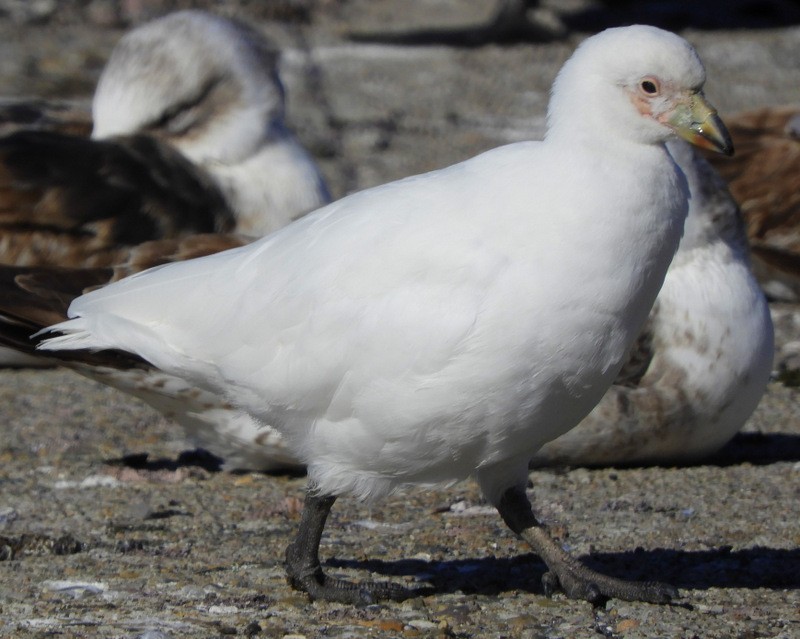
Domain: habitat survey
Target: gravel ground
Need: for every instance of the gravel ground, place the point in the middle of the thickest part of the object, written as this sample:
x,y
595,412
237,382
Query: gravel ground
x,y
110,528
106,542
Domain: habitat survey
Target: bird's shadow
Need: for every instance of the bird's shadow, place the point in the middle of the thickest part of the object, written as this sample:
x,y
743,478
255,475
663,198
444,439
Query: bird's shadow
x,y
676,15
750,568
198,458
194,458
759,449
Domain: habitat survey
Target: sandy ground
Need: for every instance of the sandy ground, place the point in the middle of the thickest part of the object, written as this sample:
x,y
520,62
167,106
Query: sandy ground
x,y
110,529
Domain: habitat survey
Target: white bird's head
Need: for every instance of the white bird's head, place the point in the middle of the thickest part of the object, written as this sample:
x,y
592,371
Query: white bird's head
x,y
640,83
206,85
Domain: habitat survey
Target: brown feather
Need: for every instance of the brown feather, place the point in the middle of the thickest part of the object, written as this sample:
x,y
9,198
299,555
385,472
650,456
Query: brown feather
x,y
639,356
764,177
149,254
72,201
63,117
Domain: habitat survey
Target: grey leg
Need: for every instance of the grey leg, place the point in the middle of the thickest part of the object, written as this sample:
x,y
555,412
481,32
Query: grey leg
x,y
304,571
566,572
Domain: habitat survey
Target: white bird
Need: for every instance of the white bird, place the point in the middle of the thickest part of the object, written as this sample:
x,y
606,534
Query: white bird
x,y
188,137
695,375
702,363
449,324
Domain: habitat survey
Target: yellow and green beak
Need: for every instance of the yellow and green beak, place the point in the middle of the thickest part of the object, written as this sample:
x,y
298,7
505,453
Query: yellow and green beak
x,y
697,122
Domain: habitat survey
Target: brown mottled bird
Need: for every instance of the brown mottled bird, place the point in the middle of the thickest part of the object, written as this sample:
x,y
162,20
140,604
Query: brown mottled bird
x,y
764,178
188,137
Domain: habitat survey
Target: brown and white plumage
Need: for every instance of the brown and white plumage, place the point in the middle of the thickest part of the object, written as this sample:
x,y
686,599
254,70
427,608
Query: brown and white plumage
x,y
188,137
72,201
764,178
210,89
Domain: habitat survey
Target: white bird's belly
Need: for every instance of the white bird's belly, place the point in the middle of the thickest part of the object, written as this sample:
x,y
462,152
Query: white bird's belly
x,y
511,380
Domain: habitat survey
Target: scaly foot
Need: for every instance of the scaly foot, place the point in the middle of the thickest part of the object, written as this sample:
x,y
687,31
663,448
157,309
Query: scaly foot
x,y
304,572
566,572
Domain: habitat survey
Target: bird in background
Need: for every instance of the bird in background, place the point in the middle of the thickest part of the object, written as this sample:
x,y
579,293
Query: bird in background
x,y
188,137
764,178
447,325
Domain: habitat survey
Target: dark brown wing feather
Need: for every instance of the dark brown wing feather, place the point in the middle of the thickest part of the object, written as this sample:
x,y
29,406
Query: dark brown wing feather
x,y
26,309
71,201
47,115
764,174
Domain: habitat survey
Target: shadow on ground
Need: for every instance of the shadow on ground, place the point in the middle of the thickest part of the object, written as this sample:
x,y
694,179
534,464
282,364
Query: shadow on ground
x,y
198,458
749,568
759,449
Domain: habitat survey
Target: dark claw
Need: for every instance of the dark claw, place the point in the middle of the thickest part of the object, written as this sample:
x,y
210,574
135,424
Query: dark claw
x,y
662,593
322,587
367,597
594,596
550,583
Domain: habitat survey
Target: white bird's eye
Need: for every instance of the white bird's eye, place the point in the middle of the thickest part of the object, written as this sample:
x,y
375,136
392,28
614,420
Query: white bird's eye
x,y
649,86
